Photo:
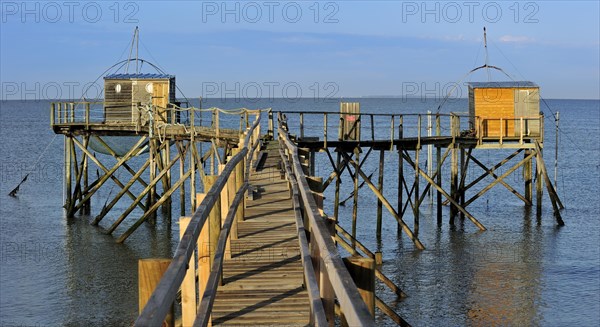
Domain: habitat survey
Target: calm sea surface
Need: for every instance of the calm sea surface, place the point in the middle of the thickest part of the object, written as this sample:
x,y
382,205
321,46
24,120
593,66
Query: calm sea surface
x,y
523,271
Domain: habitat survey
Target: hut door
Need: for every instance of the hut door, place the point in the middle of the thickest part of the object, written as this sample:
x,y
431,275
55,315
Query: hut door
x,y
527,106
160,92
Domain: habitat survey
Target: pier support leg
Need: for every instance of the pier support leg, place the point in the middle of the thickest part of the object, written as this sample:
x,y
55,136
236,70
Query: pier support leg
x,y
400,189
87,208
527,177
439,182
380,187
463,174
338,181
355,198
453,182
68,177
539,190
417,203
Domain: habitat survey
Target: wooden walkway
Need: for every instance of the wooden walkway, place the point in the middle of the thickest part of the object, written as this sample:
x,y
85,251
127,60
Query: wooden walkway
x,y
263,281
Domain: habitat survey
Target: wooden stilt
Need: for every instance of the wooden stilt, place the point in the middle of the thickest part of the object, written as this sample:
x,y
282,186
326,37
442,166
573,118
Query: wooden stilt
x,y
87,208
355,198
68,188
380,187
463,174
338,181
453,181
417,204
400,176
182,154
438,200
528,178
153,166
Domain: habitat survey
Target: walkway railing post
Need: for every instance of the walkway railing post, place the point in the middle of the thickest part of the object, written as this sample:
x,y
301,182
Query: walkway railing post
x,y
149,273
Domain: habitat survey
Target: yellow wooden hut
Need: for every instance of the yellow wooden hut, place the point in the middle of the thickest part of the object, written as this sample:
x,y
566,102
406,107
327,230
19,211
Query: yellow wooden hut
x,y
504,109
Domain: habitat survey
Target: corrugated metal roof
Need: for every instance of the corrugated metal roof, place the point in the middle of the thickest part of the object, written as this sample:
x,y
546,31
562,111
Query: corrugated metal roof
x,y
138,76
501,85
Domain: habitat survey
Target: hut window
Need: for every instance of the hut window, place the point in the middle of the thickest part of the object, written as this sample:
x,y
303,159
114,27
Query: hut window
x,y
149,87
118,88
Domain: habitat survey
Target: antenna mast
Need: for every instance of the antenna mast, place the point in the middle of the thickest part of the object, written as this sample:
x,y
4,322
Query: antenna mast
x,y
134,41
487,69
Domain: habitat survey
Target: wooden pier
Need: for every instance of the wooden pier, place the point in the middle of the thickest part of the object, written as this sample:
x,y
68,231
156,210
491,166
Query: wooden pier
x,y
263,281
257,247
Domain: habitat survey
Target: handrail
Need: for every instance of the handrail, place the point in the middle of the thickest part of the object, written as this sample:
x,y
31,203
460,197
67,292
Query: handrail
x,y
316,305
351,303
165,292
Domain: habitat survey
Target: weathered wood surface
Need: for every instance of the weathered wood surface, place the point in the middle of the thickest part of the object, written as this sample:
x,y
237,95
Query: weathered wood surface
x,y
263,281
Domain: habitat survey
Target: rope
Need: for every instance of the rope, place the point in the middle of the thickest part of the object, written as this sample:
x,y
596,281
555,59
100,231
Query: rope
x,y
14,192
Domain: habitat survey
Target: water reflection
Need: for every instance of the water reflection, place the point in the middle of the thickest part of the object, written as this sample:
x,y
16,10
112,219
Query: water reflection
x,y
100,274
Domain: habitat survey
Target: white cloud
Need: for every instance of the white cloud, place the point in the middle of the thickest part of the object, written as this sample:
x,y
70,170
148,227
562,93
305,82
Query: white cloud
x,y
516,39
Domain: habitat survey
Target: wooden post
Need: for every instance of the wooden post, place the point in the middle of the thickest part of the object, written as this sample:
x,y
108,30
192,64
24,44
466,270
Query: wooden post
x,y
462,173
188,286
67,181
400,175
149,273
527,176
380,187
214,219
203,254
355,202
417,203
87,209
338,181
152,195
226,200
301,125
439,169
181,150
362,271
453,181
539,190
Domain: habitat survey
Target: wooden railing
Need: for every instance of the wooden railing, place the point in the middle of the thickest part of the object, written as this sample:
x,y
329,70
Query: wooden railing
x,y
381,127
321,250
164,295
90,113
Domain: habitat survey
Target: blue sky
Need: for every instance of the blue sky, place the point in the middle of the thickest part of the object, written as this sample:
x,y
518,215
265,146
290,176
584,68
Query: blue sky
x,y
274,48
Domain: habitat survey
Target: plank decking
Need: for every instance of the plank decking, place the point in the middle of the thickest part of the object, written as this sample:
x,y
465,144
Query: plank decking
x,y
263,281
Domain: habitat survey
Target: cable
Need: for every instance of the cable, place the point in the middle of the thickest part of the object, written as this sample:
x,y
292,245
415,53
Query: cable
x,y
14,192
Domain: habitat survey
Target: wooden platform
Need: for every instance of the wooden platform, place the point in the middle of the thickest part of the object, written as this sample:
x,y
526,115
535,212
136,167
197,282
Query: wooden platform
x,y
263,281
